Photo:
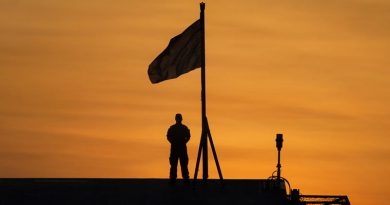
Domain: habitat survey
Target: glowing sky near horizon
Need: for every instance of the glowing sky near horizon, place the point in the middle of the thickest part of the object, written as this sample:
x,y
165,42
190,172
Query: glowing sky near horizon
x,y
76,101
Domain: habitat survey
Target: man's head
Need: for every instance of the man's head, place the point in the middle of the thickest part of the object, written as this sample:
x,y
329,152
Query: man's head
x,y
178,118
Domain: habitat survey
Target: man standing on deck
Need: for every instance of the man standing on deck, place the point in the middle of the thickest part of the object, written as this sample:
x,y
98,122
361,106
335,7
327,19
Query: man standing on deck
x,y
178,135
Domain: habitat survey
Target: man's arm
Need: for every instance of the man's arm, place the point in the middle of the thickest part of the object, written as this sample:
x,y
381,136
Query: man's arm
x,y
169,135
188,135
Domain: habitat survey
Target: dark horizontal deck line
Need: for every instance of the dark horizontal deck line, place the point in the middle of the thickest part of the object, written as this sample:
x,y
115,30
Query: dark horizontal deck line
x,y
136,191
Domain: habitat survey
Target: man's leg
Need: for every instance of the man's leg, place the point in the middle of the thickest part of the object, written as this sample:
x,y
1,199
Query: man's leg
x,y
184,166
173,171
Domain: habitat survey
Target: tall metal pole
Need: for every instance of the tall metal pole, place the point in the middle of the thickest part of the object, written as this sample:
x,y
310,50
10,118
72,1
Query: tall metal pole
x,y
203,79
206,134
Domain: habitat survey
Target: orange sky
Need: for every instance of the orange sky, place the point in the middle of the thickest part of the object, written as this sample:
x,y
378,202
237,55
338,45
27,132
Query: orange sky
x,y
75,99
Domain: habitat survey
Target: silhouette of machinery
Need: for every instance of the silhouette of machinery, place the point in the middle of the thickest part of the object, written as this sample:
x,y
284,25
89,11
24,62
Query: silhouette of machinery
x,y
278,183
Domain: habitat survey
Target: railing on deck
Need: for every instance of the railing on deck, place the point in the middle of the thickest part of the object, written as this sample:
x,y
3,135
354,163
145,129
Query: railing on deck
x,y
323,199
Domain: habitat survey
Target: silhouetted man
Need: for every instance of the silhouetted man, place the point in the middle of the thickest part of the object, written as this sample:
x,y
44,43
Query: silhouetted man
x,y
178,135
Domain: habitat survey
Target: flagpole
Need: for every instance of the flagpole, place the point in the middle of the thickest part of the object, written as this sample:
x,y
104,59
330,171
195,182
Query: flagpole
x,y
203,81
206,134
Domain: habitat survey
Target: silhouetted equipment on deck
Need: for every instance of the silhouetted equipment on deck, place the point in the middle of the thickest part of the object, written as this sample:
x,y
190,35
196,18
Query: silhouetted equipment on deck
x,y
324,199
279,144
297,199
278,183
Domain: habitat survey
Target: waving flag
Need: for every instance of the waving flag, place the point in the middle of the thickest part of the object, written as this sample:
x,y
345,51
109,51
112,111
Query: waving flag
x,y
182,55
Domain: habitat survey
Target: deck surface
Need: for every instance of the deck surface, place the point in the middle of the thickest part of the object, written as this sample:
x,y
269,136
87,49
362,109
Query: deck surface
x,y
137,191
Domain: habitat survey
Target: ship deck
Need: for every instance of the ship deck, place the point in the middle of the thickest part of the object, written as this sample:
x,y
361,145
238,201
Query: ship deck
x,y
139,191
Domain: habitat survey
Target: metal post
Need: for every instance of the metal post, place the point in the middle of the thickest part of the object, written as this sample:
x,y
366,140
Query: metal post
x,y
214,151
279,144
278,166
203,148
203,79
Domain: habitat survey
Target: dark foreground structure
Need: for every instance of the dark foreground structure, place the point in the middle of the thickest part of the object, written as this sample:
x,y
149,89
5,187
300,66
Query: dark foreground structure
x,y
275,190
151,191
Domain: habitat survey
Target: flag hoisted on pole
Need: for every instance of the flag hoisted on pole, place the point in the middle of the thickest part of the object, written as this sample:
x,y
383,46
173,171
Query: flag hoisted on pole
x,y
186,52
182,55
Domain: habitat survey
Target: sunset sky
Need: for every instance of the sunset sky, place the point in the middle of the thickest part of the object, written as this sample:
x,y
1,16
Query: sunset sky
x,y
76,101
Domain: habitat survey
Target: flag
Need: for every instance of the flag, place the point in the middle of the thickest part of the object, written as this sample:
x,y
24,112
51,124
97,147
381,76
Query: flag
x,y
182,55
